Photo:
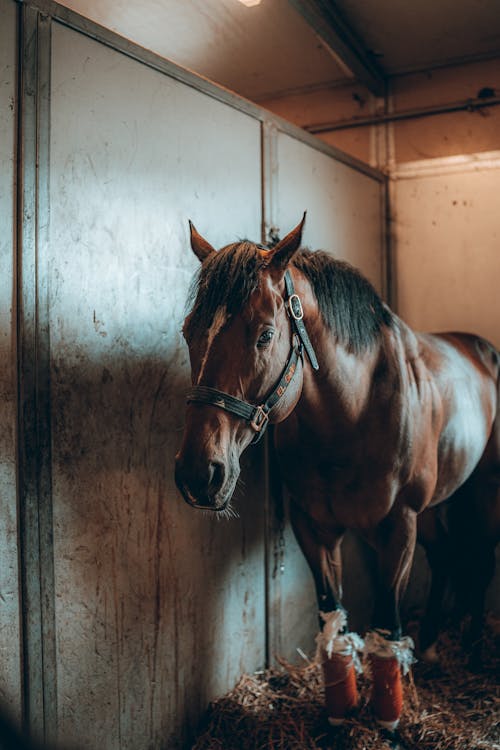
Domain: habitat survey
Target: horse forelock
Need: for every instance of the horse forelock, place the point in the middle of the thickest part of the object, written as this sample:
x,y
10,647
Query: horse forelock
x,y
225,281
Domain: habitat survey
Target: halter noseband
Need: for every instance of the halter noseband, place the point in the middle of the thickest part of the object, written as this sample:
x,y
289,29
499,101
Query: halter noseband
x,y
258,416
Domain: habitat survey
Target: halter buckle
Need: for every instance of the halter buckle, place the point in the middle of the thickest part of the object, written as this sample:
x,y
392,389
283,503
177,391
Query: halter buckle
x,y
259,419
295,307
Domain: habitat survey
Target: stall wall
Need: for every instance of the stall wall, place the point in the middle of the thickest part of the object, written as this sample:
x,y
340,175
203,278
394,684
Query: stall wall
x,y
10,637
137,610
473,130
447,232
158,608
310,108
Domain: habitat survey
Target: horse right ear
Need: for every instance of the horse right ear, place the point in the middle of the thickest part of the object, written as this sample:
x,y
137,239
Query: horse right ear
x,y
200,247
282,253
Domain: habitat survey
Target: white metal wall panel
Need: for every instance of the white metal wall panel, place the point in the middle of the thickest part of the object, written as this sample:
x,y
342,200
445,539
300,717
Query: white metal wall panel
x,y
344,217
158,608
447,230
344,206
10,678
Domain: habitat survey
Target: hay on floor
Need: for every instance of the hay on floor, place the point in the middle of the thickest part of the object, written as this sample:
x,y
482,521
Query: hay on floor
x,y
447,707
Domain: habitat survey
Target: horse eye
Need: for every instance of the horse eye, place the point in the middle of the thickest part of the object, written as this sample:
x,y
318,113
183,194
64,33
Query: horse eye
x,y
265,337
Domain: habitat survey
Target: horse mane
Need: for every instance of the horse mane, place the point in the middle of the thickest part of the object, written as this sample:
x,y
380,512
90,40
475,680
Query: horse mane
x,y
349,304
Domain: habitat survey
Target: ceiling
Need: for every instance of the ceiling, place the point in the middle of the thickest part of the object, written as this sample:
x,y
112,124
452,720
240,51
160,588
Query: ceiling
x,y
284,46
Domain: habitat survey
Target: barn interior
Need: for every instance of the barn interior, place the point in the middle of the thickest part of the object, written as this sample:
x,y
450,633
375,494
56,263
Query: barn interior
x,y
123,613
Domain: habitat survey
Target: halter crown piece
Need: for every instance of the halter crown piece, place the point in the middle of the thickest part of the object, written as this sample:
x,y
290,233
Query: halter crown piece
x,y
258,416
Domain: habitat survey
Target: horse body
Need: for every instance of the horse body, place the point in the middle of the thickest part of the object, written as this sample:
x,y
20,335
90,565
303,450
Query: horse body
x,y
391,423
410,427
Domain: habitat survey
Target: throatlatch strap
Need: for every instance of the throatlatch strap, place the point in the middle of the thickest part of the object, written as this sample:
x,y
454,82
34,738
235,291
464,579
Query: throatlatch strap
x,y
296,314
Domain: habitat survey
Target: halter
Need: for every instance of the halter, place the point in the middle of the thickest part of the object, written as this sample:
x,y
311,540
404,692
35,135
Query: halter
x,y
258,416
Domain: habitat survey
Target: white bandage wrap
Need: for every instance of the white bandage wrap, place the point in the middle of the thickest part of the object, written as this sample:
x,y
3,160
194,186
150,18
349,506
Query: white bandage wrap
x,y
378,644
330,641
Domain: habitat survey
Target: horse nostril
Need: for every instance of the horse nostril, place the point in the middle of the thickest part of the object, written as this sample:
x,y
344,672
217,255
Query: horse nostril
x,y
216,476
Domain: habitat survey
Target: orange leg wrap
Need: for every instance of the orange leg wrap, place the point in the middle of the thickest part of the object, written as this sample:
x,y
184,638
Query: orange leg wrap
x,y
387,690
341,693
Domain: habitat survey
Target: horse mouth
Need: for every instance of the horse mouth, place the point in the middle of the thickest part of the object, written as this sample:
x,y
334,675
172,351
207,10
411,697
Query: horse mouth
x,y
200,506
212,506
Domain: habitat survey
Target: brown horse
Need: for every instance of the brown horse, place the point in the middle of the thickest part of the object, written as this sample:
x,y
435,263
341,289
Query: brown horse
x,y
374,424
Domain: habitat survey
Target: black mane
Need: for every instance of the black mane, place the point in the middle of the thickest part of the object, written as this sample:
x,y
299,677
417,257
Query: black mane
x,y
349,304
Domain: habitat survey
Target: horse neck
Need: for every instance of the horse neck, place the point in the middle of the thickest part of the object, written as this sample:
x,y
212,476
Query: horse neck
x,y
343,384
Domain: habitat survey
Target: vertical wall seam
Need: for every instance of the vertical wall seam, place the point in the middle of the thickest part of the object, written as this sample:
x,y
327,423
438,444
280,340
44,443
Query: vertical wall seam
x,y
269,218
43,387
34,470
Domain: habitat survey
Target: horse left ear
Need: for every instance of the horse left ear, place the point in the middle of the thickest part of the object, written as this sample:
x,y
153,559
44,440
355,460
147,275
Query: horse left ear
x,y
281,255
199,245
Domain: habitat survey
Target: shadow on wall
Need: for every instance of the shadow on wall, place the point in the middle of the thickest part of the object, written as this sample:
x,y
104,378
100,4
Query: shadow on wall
x,y
159,608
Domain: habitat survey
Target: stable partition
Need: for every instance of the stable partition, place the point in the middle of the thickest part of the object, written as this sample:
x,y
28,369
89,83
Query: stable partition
x,y
137,609
157,608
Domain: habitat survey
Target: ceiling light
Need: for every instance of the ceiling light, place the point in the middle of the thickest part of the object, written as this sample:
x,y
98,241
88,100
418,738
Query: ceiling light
x,y
250,3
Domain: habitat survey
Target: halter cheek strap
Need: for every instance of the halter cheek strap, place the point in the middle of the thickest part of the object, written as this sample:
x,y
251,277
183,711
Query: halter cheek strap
x,y
258,416
295,311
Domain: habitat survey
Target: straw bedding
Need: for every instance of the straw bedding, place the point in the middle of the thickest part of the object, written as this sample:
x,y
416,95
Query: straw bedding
x,y
447,707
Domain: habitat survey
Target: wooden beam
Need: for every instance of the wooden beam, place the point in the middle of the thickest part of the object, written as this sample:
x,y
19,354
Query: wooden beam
x,y
335,33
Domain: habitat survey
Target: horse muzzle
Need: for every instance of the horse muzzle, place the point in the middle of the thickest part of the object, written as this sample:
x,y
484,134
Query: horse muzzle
x,y
205,487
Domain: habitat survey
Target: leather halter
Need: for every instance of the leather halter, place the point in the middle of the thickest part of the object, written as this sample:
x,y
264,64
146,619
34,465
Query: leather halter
x,y
258,416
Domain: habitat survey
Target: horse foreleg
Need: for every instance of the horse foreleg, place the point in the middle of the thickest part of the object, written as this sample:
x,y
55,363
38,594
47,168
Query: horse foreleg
x,y
387,652
337,648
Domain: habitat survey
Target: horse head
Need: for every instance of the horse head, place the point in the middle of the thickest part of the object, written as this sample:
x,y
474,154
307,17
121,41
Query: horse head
x,y
246,364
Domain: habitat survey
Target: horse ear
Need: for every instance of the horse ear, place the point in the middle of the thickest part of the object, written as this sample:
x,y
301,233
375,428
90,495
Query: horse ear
x,y
281,255
200,247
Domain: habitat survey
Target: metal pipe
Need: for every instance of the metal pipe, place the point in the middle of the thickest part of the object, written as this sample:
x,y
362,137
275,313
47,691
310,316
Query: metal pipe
x,y
467,105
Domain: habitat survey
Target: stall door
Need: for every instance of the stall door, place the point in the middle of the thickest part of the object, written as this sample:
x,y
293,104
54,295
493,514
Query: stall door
x,y
158,608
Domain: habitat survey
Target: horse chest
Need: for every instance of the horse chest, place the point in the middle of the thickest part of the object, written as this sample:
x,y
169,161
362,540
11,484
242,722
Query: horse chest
x,y
338,491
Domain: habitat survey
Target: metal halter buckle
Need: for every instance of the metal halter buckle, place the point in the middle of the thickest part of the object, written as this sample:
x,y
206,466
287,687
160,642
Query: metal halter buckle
x,y
259,419
295,307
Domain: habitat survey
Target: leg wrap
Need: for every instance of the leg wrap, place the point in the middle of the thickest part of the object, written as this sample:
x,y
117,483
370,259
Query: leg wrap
x,y
387,660
341,693
387,691
339,656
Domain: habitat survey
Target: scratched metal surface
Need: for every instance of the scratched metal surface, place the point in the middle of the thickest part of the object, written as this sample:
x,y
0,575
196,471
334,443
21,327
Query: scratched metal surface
x,y
158,608
344,217
344,206
10,678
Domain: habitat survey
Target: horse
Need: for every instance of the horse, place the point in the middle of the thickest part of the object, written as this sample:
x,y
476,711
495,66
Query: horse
x,y
373,424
